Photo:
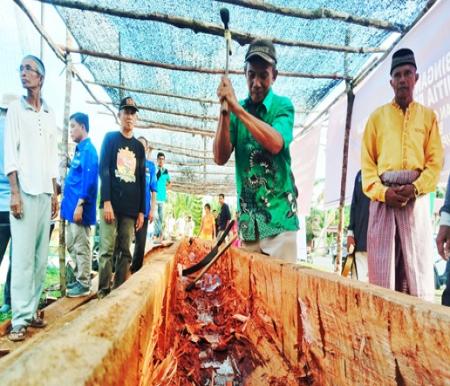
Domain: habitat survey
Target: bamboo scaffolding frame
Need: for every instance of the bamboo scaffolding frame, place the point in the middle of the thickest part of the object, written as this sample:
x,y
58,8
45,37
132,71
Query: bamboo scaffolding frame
x,y
146,108
174,147
183,97
205,161
173,129
188,187
317,14
57,51
201,172
194,164
144,123
202,70
209,28
363,75
228,190
154,92
193,153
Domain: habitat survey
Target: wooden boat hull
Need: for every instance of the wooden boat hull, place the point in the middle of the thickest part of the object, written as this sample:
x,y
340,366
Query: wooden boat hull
x,y
317,328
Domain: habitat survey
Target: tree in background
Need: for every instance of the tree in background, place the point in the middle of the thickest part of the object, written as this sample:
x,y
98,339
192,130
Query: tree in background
x,y
185,204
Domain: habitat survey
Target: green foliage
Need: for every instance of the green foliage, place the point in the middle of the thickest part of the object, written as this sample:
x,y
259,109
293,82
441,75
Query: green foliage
x,y
8,315
318,219
184,204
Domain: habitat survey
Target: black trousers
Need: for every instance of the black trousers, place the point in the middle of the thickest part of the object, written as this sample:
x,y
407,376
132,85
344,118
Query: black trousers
x,y
139,248
5,236
446,293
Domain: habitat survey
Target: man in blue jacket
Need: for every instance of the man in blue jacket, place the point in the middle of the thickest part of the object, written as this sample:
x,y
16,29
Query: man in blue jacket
x,y
78,204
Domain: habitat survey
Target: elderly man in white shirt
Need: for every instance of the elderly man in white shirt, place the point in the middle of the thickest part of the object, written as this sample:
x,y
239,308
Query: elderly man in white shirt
x,y
31,165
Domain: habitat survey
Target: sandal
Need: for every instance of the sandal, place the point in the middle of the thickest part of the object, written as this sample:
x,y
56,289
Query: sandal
x,y
17,334
38,322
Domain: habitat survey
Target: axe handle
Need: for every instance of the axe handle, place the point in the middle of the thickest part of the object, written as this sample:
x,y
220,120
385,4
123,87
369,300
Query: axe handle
x,y
224,105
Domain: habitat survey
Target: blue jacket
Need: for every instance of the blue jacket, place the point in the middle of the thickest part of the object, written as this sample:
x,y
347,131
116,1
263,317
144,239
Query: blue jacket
x,y
150,185
82,182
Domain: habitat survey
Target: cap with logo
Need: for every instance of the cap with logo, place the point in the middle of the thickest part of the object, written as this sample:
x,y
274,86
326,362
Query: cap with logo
x,y
262,48
128,102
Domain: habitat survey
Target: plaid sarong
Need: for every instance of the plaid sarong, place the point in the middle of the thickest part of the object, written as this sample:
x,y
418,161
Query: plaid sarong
x,y
400,242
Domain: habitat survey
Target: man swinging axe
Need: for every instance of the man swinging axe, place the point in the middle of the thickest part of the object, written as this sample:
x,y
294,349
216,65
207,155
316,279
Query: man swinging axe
x,y
259,129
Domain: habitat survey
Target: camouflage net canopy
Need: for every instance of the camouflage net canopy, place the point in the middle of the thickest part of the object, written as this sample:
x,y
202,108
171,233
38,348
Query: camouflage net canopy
x,y
187,37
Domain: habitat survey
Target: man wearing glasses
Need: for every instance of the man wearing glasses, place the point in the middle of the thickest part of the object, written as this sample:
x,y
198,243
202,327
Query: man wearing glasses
x,y
122,197
31,165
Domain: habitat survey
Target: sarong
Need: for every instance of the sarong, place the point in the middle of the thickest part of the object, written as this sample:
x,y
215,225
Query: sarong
x,y
400,242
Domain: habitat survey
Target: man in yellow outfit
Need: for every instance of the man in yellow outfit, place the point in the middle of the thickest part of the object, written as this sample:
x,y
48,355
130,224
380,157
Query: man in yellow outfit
x,y
401,159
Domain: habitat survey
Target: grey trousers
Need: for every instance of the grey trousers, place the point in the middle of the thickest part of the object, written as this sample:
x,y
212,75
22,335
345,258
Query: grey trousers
x,y
29,256
121,229
79,247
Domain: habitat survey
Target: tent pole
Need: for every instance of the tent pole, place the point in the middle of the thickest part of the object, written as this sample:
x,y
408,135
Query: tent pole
x,y
348,125
63,170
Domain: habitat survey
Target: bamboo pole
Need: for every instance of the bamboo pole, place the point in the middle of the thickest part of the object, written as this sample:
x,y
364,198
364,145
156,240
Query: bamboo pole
x,y
200,163
153,92
188,185
63,170
213,191
146,108
202,70
207,162
317,14
348,123
348,126
202,172
58,52
204,153
208,28
182,127
144,124
121,90
181,151
41,40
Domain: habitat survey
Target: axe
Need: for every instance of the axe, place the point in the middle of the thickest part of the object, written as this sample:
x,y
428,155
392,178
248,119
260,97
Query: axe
x,y
225,16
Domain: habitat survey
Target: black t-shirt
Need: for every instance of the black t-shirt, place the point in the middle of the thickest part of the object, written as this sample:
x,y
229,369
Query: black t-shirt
x,y
122,174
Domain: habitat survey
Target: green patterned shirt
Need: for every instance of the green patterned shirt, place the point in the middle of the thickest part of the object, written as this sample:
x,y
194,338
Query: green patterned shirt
x,y
265,185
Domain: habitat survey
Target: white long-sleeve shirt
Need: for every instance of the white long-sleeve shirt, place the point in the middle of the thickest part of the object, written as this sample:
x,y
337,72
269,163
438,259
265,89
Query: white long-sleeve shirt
x,y
31,147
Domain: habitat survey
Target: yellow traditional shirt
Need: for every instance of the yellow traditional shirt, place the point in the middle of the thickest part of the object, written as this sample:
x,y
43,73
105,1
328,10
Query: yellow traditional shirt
x,y
394,141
